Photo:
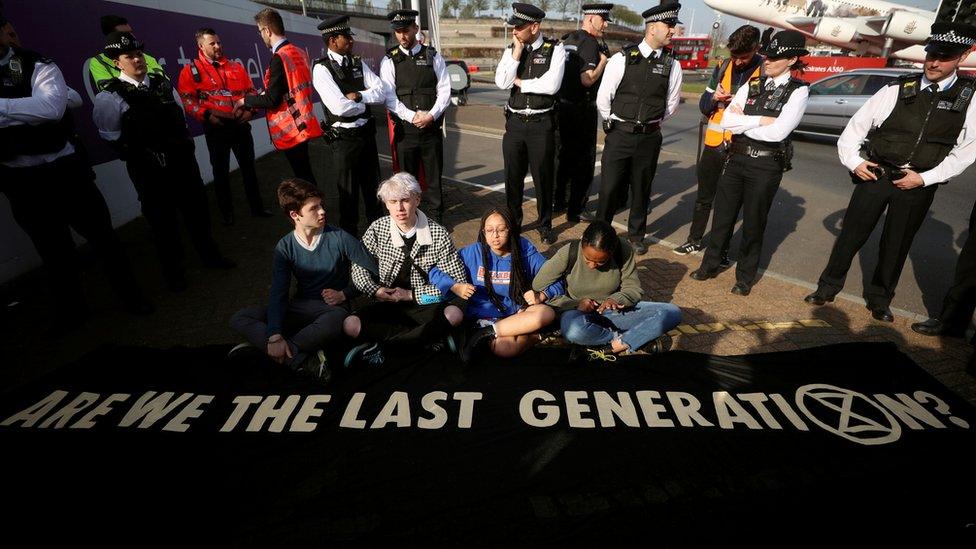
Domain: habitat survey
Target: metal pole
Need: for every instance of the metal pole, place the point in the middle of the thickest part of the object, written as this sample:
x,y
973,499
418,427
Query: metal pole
x,y
304,13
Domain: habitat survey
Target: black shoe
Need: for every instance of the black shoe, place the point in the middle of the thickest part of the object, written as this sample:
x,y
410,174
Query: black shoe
x,y
547,236
219,262
699,274
882,313
657,346
479,338
971,367
227,219
242,350
741,289
315,368
725,264
817,298
369,353
262,213
935,327
639,247
573,218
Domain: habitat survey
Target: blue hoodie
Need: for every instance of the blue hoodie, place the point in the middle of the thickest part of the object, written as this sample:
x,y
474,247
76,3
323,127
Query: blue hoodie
x,y
479,304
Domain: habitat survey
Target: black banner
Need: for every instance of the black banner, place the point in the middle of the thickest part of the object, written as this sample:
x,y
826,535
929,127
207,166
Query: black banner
x,y
141,445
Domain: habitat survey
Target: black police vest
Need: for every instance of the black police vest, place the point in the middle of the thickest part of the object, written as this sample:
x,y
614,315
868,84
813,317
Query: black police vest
x,y
642,95
924,126
349,80
414,78
763,102
532,66
154,121
29,139
572,88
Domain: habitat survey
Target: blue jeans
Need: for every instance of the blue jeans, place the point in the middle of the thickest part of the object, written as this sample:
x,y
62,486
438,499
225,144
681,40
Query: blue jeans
x,y
635,325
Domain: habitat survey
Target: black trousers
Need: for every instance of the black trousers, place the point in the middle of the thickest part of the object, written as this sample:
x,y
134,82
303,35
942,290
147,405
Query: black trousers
x,y
960,301
49,200
709,171
577,155
530,146
352,165
168,191
629,159
425,147
300,163
221,140
749,184
906,211
403,323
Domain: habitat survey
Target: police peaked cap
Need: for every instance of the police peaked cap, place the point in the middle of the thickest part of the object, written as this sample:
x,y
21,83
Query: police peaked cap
x,y
603,10
786,43
950,38
665,13
334,25
401,19
524,14
118,42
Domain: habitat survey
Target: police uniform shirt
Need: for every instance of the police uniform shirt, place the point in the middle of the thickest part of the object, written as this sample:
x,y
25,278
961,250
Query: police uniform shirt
x,y
109,108
547,84
393,103
337,102
788,119
47,103
876,110
613,73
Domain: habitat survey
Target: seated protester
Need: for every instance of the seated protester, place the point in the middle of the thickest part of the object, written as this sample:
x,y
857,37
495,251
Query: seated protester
x,y
296,331
409,310
602,309
501,302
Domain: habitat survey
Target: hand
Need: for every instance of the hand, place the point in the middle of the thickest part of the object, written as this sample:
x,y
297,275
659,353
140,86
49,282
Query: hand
x,y
603,58
463,290
385,294
517,46
766,120
609,304
737,109
352,96
333,297
239,103
215,120
399,294
864,173
244,115
721,95
531,297
910,181
425,119
279,351
587,305
517,83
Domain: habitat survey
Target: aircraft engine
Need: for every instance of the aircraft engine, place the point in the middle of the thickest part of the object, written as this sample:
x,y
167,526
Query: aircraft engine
x,y
834,30
907,26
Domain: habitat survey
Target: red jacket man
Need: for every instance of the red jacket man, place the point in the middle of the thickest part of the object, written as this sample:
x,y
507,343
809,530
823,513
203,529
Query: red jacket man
x,y
209,87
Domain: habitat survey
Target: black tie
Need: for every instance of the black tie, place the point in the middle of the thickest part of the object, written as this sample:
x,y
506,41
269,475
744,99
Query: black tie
x,y
143,87
528,50
932,88
345,62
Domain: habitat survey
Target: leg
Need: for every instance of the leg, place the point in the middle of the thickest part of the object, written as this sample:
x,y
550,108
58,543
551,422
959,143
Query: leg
x,y
615,172
529,321
586,328
190,196
251,323
761,183
366,173
568,151
641,177
728,200
516,161
541,145
312,325
583,176
645,322
243,147
219,145
339,173
868,201
432,154
960,300
512,346
161,213
709,171
301,165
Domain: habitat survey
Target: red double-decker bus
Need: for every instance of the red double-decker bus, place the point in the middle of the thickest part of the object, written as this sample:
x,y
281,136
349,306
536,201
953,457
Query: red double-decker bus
x,y
692,51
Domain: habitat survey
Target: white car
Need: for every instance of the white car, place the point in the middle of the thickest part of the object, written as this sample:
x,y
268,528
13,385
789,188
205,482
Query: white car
x,y
835,99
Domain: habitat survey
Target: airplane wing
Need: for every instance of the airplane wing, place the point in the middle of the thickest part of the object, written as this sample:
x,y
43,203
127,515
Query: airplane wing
x,y
803,24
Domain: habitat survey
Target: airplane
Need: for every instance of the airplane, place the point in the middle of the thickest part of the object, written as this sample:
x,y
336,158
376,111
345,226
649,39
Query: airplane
x,y
868,27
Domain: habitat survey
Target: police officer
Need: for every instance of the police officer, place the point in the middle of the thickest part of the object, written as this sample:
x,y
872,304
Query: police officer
x,y
208,86
532,67
140,115
50,186
744,64
101,69
641,88
287,96
418,93
346,85
920,133
586,57
761,117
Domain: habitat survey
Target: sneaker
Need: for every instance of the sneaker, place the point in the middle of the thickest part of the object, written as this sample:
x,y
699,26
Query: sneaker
x,y
479,338
316,367
657,346
451,344
688,248
369,353
240,350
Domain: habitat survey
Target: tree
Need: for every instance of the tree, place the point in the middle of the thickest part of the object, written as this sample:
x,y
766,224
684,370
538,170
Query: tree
x,y
501,5
544,5
478,6
446,10
467,12
453,6
566,7
393,5
623,15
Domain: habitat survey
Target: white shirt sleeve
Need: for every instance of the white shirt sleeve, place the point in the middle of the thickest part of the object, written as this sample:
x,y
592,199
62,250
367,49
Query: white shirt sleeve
x,y
612,74
787,121
332,96
739,123
674,89
393,103
873,113
960,157
443,87
549,82
375,92
107,115
47,103
505,71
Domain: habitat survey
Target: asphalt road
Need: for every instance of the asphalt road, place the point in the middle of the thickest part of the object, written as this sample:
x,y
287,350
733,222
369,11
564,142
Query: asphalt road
x,y
803,222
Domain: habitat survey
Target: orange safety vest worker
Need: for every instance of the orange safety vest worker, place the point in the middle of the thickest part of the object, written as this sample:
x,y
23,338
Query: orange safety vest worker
x,y
212,86
293,121
715,135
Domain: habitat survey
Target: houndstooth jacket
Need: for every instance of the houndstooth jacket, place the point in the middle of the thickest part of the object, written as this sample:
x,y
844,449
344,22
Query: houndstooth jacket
x,y
432,247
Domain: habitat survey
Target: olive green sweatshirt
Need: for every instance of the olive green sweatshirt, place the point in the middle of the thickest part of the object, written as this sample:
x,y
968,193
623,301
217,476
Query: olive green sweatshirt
x,y
608,281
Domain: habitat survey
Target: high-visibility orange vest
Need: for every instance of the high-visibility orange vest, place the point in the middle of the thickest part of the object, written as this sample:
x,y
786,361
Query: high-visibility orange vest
x,y
293,121
714,134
